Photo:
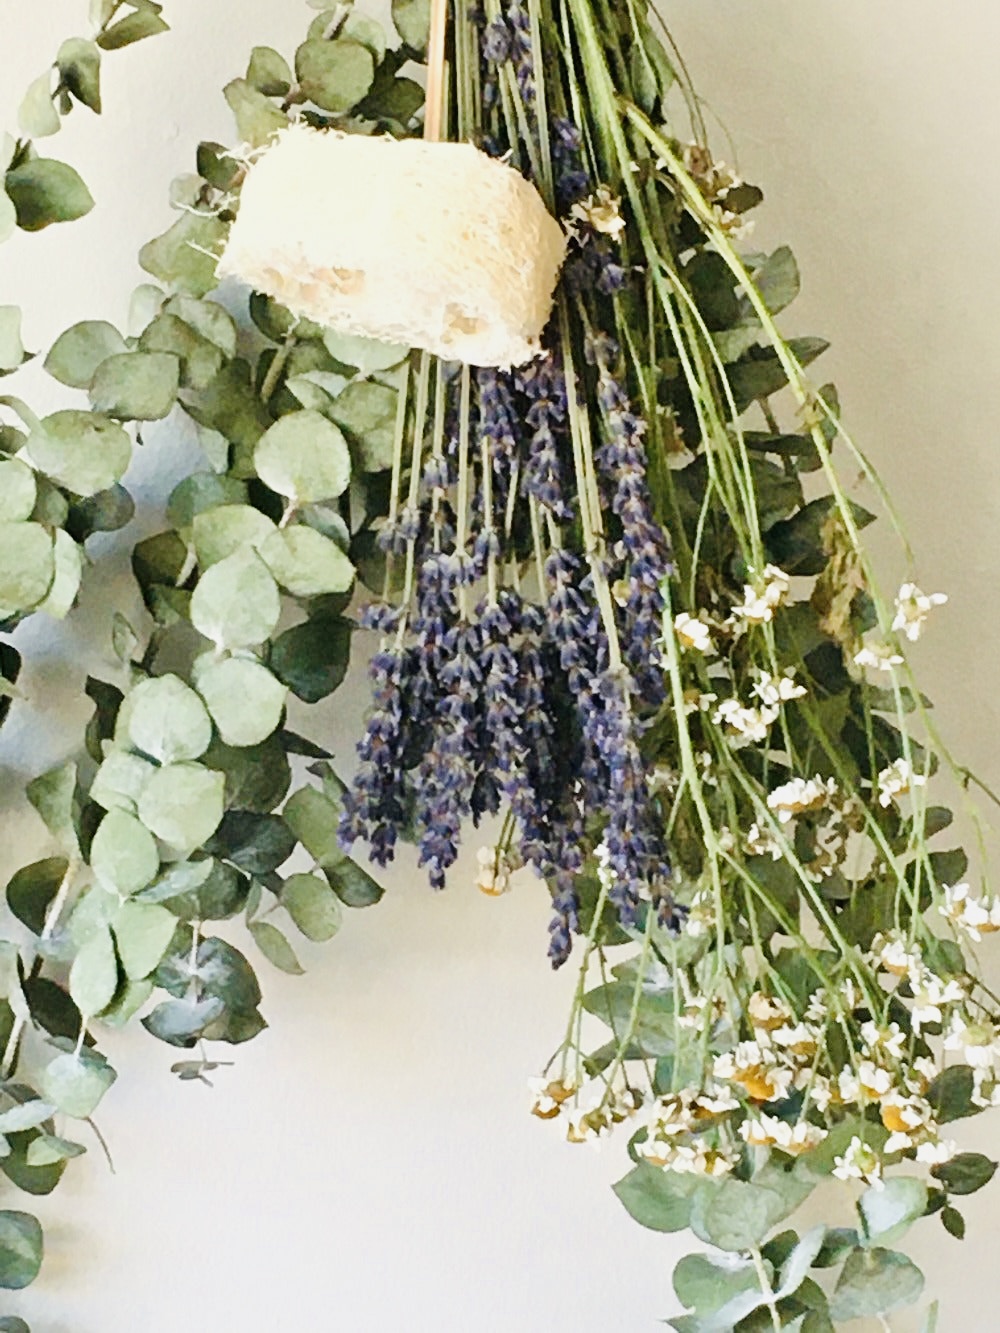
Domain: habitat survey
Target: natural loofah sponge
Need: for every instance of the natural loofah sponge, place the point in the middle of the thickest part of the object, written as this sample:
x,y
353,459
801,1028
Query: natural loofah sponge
x,y
432,245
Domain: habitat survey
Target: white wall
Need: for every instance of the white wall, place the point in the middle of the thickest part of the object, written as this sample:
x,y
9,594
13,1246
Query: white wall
x,y
368,1164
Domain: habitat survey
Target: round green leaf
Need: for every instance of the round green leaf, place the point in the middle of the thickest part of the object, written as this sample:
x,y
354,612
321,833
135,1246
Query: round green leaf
x,y
236,603
200,492
367,354
268,72
17,491
304,457
208,319
45,191
334,75
891,1209
123,854
49,1148
413,22
244,699
93,978
21,1248
366,412
178,257
76,354
164,718
67,577
76,1083
221,531
874,1282
313,906
143,932
84,452
120,780
257,118
136,386
183,804
306,563
27,566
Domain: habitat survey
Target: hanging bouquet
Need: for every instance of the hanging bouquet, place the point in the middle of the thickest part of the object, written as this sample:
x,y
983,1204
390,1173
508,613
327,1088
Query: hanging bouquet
x,y
620,605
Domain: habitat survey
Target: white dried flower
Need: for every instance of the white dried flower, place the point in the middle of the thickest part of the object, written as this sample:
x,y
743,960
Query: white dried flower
x,y
912,609
800,795
762,598
897,780
774,690
878,656
693,633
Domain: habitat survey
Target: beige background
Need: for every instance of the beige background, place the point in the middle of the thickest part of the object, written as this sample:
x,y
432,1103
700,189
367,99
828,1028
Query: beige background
x,y
368,1164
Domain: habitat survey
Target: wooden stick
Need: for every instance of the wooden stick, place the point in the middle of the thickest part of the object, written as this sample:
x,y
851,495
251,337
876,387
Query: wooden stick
x,y
434,109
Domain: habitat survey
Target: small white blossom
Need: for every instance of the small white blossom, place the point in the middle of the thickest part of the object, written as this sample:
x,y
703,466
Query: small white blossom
x,y
878,656
774,690
696,702
496,866
913,608
972,915
978,1042
767,1131
693,633
799,796
747,724
766,1012
889,1041
934,1152
602,212
859,1162
930,995
891,952
896,781
761,601
761,842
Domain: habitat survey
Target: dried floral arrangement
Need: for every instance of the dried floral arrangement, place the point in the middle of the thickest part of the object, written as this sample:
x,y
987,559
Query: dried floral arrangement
x,y
621,601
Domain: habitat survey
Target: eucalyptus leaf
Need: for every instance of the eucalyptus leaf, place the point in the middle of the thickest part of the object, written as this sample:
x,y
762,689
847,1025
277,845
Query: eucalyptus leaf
x,y
21,1249
890,1209
366,354
304,457
79,65
27,567
120,780
236,603
256,843
37,115
660,1200
123,854
136,386
366,413
143,932
875,1282
313,906
269,72
412,19
75,355
93,978
83,451
183,804
44,191
275,947
200,493
76,1083
49,1148
245,700
705,1283
182,1022
306,563
312,658
25,1115
208,319
334,75
66,579
257,118
12,353
164,718
313,818
199,360
53,794
32,889
144,22
352,884
17,491
734,1214
221,531
185,256
965,1173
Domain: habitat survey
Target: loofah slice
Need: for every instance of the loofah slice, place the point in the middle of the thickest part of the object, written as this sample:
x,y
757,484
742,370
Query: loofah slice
x,y
432,245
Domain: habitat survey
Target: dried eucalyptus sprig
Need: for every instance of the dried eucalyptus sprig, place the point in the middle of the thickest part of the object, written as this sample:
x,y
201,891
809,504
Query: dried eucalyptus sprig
x,y
185,807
